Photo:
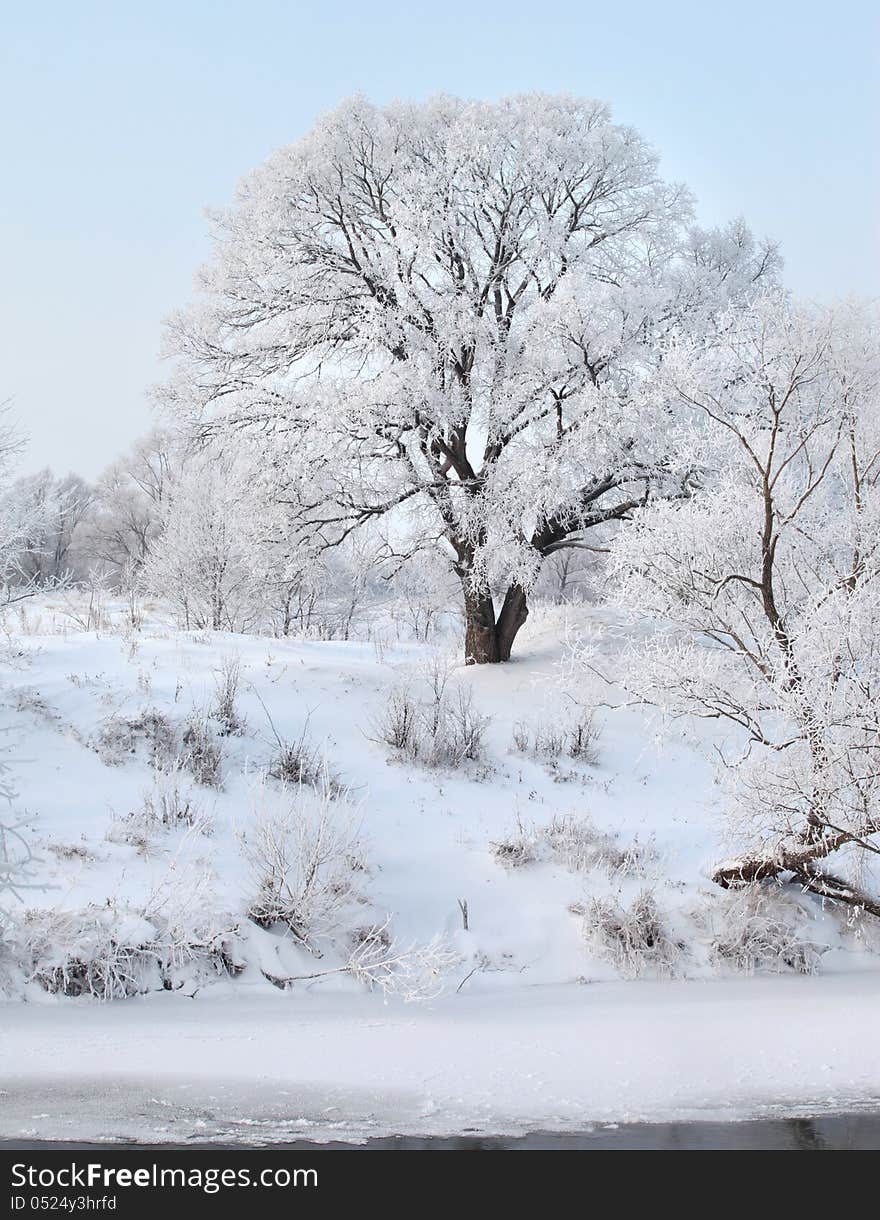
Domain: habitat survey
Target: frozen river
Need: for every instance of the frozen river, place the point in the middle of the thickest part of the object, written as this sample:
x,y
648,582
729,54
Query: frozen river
x,y
831,1132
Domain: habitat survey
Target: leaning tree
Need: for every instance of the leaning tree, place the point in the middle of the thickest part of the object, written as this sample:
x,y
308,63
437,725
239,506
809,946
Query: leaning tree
x,y
436,314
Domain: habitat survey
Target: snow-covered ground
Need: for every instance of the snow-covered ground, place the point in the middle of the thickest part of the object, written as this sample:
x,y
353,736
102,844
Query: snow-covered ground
x,y
534,1026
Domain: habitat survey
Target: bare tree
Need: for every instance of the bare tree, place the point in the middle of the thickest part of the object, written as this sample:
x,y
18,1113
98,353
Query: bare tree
x,y
52,513
126,512
768,582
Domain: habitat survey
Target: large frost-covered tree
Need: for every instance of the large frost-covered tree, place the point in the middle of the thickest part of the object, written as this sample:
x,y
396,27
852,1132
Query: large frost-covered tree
x,y
767,579
446,307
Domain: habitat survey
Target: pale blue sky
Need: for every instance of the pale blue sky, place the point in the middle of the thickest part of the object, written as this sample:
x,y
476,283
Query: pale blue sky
x,y
121,121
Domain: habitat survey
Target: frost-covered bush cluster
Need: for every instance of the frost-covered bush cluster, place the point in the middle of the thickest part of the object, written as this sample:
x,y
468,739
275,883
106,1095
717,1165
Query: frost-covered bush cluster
x,y
433,721
575,735
224,708
517,849
174,940
636,938
97,952
308,882
168,804
307,891
574,842
201,753
578,845
150,734
306,861
300,761
758,928
114,951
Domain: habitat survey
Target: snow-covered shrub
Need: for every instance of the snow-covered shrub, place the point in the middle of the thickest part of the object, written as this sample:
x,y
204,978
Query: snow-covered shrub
x,y
635,939
547,740
576,736
224,709
519,848
170,804
305,859
521,737
196,943
457,735
122,736
29,701
201,754
71,851
572,841
115,951
441,728
130,830
299,762
758,928
398,724
105,952
583,736
86,605
576,843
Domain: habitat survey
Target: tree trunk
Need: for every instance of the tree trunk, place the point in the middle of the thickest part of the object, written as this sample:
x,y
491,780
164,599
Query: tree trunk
x,y
800,860
514,613
489,640
481,632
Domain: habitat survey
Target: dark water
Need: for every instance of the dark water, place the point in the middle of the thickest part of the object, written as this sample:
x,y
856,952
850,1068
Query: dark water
x,y
829,1133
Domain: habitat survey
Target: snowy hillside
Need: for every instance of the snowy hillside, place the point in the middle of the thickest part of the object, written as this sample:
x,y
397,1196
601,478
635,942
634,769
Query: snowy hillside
x,y
581,860
522,833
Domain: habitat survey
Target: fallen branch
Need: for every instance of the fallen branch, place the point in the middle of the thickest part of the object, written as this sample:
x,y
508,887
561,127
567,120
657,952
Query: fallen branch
x,y
414,972
829,886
